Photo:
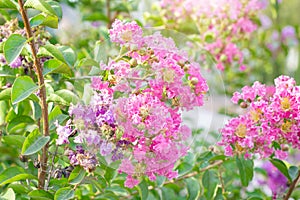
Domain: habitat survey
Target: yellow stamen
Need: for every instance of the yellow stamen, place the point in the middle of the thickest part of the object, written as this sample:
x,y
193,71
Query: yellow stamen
x,y
241,130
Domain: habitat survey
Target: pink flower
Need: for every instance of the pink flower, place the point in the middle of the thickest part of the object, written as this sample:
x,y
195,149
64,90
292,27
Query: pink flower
x,y
126,33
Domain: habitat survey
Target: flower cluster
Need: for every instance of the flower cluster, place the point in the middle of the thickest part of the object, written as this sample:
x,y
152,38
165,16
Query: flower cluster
x,y
222,24
134,113
271,121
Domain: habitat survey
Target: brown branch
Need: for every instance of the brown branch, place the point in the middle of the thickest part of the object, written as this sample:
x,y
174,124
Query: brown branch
x,y
38,68
292,187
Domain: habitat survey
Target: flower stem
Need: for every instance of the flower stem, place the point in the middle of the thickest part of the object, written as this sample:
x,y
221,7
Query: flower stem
x,y
292,187
38,68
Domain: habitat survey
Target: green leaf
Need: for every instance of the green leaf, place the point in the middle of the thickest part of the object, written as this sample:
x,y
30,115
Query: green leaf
x,y
68,96
88,62
8,4
184,168
56,7
37,145
68,54
40,5
33,136
168,194
209,182
22,88
245,169
119,191
51,50
56,66
77,175
9,194
193,187
13,46
19,122
281,167
16,140
96,16
46,20
40,195
143,190
54,115
19,188
57,99
5,94
219,195
13,174
293,172
64,194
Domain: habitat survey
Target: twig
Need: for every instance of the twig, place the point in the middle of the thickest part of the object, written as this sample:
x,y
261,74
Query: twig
x,y
292,187
51,168
44,156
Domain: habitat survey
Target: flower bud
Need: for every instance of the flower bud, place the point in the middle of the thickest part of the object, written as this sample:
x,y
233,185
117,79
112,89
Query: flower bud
x,y
243,105
133,62
194,81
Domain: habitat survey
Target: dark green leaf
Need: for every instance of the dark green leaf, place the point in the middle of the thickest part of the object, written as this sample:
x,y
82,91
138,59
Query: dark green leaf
x,y
64,194
193,187
13,174
40,5
22,88
13,46
293,172
143,190
209,182
281,167
77,175
245,169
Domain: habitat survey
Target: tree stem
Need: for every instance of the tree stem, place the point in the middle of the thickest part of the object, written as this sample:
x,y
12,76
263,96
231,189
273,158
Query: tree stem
x,y
38,68
292,187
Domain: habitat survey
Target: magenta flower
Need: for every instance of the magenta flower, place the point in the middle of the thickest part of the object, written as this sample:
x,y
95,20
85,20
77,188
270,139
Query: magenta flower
x,y
272,116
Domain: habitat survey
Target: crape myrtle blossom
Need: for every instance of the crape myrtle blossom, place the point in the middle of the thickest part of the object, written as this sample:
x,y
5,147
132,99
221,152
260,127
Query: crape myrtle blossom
x,y
134,113
222,24
271,120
